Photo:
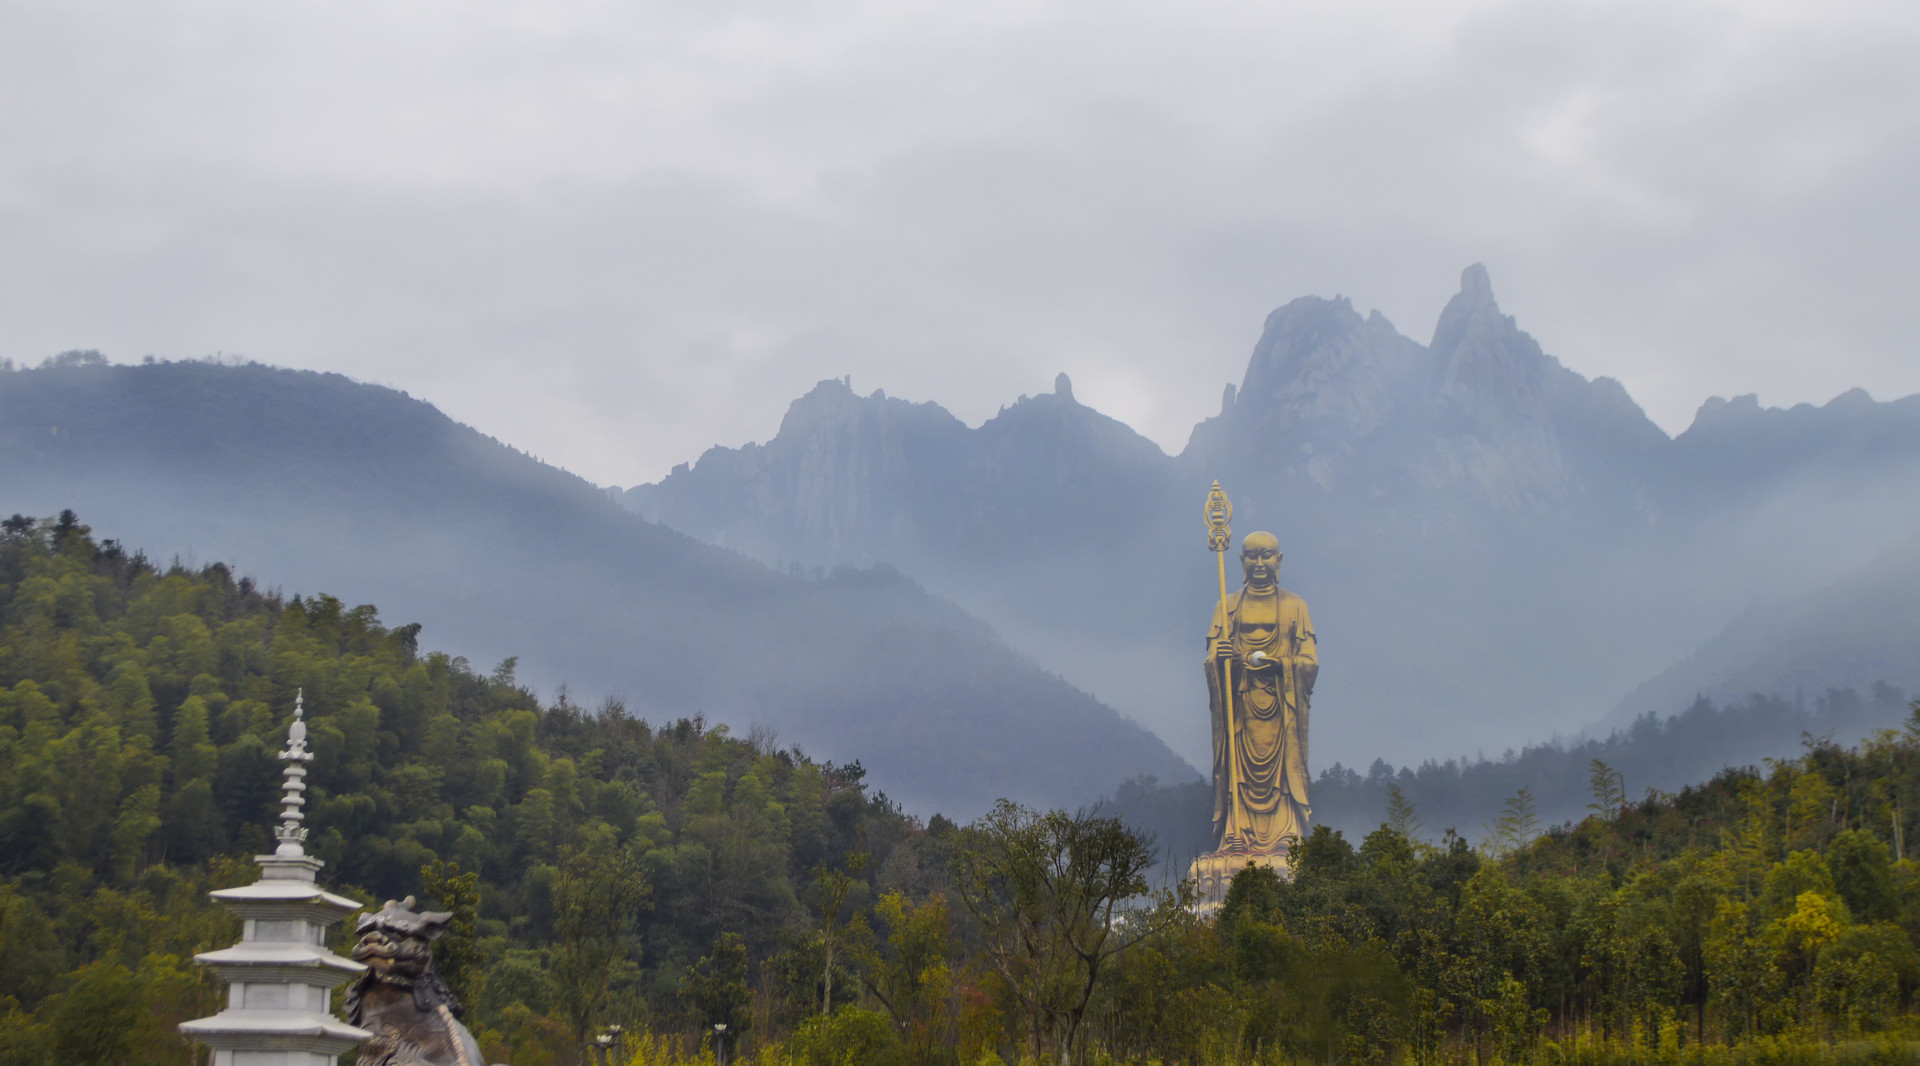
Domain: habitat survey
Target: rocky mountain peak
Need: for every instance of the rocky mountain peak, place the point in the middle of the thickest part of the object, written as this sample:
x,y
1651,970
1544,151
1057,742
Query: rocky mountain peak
x,y
1057,432
1482,354
1854,399
832,408
1319,362
1476,283
829,401
1718,410
1539,428
1345,400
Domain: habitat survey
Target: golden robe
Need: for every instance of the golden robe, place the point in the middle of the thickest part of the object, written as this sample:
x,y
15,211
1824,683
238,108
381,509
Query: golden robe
x,y
1260,756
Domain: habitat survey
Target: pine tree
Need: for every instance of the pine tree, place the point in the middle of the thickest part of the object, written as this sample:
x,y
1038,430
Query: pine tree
x,y
1401,816
1518,823
1609,790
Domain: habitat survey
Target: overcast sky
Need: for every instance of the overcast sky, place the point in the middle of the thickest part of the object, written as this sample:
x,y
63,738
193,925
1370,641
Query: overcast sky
x,y
616,233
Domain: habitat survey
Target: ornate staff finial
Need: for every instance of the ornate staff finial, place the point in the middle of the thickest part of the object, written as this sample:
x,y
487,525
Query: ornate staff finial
x,y
1219,513
291,834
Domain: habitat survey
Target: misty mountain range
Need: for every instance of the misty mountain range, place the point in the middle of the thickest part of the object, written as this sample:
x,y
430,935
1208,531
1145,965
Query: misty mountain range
x,y
1496,549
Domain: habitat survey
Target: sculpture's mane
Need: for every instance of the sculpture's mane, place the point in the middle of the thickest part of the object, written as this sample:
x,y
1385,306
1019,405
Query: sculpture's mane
x,y
429,991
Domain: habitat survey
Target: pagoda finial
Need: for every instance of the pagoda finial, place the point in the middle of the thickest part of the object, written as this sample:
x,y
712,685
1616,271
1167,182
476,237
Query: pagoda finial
x,y
280,977
291,834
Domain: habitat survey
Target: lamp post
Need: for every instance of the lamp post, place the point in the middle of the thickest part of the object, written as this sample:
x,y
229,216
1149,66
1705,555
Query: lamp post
x,y
616,1033
720,1044
601,1044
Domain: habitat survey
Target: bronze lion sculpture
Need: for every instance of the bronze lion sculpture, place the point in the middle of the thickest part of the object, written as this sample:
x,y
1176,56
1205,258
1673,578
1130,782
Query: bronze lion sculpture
x,y
412,1014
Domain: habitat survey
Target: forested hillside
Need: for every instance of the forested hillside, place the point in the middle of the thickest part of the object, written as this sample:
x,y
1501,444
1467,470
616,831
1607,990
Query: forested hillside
x,y
140,710
669,876
313,481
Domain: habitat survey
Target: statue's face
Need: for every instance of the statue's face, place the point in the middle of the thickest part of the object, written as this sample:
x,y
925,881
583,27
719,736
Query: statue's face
x,y
1260,559
391,957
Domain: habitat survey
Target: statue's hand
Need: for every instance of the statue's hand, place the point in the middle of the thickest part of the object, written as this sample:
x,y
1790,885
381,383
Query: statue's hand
x,y
1222,649
1260,660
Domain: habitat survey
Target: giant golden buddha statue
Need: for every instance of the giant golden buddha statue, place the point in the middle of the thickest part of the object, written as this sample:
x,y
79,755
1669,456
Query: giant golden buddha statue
x,y
1261,664
1260,644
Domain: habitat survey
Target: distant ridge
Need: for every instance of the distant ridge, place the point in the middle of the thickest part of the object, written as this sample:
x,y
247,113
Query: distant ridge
x,y
1864,625
358,491
859,479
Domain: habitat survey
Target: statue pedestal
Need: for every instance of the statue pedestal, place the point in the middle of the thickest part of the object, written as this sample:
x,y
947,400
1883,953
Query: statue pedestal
x,y
1213,872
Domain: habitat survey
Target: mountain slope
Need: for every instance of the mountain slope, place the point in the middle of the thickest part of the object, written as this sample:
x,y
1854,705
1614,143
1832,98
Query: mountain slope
x,y
365,493
1866,625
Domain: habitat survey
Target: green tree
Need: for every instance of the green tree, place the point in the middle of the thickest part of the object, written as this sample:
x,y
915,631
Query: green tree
x,y
1742,977
716,987
848,1036
597,896
1518,824
910,971
456,954
1609,789
1401,816
1862,867
23,1041
1050,892
832,888
100,1019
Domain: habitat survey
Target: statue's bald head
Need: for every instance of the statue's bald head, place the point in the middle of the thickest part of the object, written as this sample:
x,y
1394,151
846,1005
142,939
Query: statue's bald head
x,y
1260,559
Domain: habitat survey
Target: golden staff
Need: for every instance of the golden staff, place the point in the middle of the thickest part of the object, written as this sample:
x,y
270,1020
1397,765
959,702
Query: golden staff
x,y
1219,540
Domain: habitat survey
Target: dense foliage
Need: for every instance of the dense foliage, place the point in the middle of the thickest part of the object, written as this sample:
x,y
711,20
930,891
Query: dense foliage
x,y
140,711
675,878
1774,908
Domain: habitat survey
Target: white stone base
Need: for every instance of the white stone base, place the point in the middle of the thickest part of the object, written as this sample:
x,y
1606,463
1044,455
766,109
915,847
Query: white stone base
x,y
1213,872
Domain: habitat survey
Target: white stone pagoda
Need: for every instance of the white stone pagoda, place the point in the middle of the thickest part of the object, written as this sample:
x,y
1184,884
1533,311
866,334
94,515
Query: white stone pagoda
x,y
280,977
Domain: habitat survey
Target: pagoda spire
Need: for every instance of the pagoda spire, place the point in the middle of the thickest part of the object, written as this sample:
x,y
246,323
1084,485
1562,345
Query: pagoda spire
x,y
291,834
280,977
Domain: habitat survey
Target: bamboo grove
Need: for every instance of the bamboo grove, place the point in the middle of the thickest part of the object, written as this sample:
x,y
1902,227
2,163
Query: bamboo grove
x,y
671,877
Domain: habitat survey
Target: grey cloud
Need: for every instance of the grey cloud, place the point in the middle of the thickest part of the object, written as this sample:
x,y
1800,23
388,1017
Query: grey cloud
x,y
615,235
